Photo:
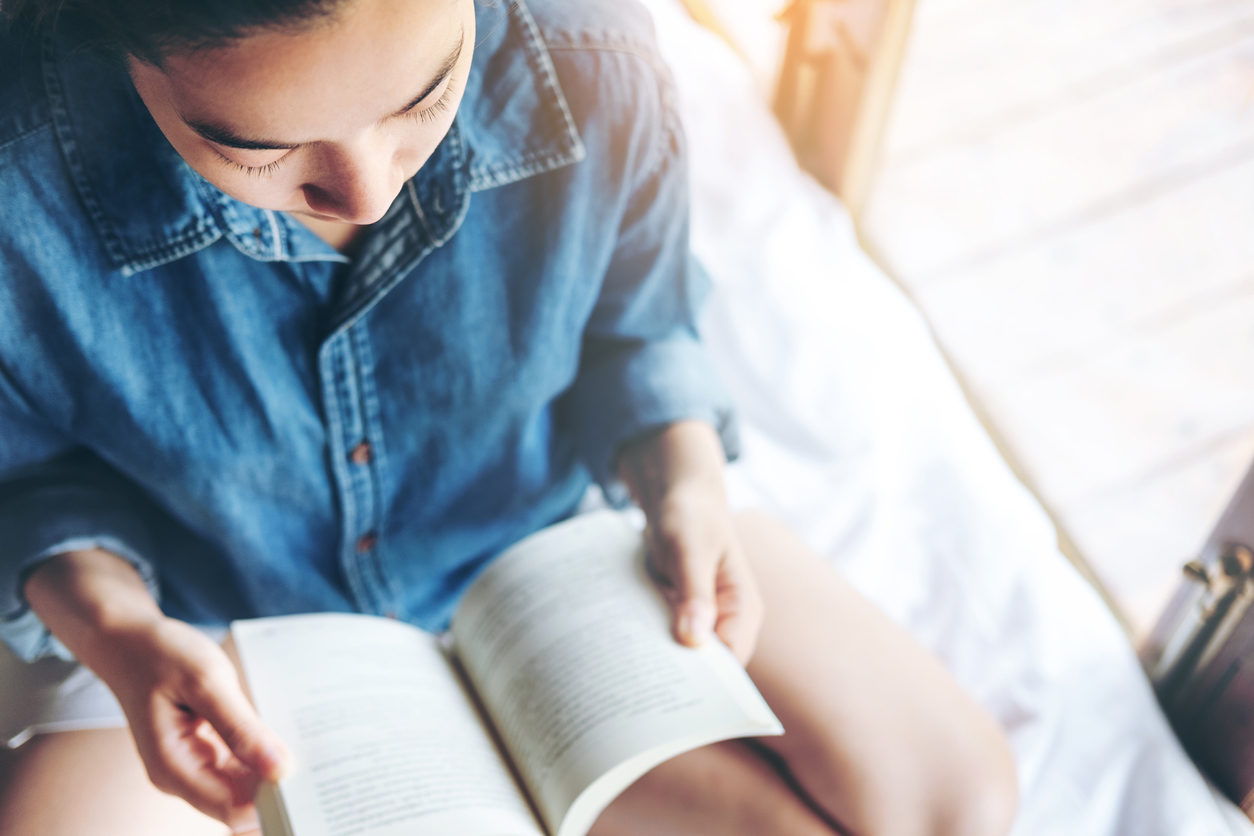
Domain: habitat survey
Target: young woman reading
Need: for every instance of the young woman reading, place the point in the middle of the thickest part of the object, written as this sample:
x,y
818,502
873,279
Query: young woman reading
x,y
317,305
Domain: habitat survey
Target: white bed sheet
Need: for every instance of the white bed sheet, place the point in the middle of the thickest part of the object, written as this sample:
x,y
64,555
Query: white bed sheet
x,y
856,433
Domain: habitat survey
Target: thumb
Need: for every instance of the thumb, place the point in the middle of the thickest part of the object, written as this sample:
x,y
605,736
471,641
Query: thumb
x,y
692,581
242,730
694,621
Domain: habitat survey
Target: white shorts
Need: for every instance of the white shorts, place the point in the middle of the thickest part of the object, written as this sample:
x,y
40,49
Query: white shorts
x,y
53,695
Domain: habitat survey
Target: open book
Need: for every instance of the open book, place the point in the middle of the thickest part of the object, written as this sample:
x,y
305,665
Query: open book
x,y
558,686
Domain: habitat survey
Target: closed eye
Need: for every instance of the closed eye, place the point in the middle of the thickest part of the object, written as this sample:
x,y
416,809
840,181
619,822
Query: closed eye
x,y
432,111
252,170
427,114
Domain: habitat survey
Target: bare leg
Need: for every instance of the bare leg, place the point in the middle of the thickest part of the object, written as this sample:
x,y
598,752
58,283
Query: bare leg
x,y
90,783
728,788
880,738
880,735
93,784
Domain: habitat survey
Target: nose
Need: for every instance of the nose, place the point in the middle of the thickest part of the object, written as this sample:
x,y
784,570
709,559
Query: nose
x,y
356,184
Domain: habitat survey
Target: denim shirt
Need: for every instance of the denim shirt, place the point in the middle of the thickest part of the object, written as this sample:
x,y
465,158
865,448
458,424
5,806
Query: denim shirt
x,y
262,425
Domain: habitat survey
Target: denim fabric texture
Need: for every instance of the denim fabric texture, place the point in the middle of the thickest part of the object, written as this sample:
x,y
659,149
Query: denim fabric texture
x,y
264,426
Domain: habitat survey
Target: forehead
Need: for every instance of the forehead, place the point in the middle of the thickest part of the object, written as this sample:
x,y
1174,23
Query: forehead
x,y
324,80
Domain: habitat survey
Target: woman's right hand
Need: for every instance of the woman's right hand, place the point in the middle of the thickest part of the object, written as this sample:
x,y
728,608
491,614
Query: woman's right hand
x,y
197,733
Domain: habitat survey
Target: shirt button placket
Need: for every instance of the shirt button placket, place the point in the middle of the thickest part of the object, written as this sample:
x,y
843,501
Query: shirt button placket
x,y
359,480
361,454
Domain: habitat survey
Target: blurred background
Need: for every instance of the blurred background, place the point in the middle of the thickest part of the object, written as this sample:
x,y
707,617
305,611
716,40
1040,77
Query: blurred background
x,y
1066,189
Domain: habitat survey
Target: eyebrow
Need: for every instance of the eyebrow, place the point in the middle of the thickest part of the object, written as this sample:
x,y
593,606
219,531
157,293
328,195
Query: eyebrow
x,y
225,136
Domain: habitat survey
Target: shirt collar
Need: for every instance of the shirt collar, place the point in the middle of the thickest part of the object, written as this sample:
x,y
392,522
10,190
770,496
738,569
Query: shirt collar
x,y
150,208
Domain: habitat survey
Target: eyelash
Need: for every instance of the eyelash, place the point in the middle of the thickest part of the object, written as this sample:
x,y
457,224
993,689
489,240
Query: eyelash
x,y
251,170
428,114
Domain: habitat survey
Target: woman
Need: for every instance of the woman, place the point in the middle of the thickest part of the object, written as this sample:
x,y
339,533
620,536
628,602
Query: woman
x,y
319,304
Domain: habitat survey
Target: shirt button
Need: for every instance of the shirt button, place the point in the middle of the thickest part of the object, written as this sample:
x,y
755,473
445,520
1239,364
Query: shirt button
x,y
361,453
366,542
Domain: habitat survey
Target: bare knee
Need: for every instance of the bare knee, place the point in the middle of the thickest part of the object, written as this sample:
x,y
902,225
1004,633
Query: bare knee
x,y
881,737
983,798
905,792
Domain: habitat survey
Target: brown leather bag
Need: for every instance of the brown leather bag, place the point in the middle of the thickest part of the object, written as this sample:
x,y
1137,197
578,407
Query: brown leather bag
x,y
1200,655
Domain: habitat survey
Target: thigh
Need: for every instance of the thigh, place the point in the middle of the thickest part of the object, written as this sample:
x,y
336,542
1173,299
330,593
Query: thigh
x,y
879,734
728,788
89,783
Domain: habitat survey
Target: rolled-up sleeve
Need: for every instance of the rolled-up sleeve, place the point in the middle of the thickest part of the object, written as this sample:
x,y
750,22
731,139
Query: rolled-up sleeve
x,y
56,497
642,364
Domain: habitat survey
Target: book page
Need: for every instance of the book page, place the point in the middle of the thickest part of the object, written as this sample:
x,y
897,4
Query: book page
x,y
568,644
386,741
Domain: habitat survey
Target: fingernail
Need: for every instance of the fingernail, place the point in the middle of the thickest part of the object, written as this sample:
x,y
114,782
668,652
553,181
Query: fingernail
x,y
279,761
695,623
246,825
686,627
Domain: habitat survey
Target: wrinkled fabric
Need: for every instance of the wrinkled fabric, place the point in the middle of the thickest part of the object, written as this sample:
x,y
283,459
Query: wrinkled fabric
x,y
262,425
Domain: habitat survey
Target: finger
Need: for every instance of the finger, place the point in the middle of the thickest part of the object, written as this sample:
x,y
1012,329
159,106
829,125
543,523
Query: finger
x,y
180,763
691,571
737,627
247,826
242,780
739,608
221,701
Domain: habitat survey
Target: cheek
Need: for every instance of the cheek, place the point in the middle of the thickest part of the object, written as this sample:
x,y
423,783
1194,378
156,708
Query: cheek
x,y
272,192
279,190
415,149
419,141
262,194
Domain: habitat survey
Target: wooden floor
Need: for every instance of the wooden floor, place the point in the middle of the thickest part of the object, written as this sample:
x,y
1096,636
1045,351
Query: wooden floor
x,y
1068,193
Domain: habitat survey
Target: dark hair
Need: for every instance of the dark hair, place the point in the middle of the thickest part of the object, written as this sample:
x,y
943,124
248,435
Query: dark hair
x,y
152,29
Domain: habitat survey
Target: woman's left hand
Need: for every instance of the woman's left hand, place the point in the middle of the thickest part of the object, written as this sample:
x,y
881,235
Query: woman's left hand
x,y
695,553
676,476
